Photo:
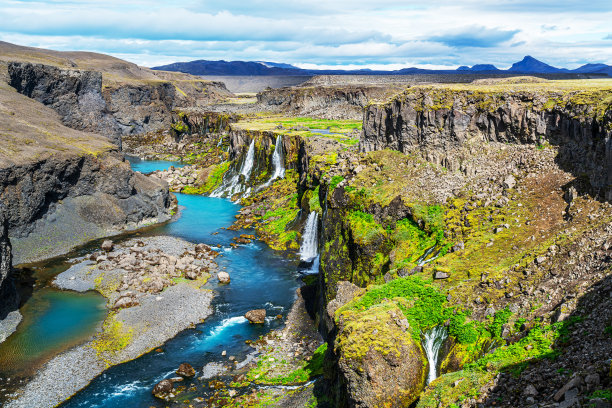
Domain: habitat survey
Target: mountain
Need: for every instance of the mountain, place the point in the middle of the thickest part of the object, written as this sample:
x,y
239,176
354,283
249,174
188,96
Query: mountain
x,y
478,68
204,67
527,65
532,65
594,69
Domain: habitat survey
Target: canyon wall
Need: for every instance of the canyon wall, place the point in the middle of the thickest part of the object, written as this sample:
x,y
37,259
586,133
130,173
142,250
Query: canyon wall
x,y
57,203
437,123
84,102
330,102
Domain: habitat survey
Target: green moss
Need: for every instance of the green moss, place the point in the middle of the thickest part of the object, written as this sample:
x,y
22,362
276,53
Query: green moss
x,y
423,305
365,229
215,177
180,127
113,338
335,180
308,370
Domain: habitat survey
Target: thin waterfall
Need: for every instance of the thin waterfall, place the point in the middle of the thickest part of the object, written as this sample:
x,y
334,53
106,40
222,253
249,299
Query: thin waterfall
x,y
310,248
233,185
432,342
248,163
277,161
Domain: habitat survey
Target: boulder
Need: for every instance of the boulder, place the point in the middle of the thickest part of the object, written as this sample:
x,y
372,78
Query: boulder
x,y
186,370
163,389
125,301
378,360
107,245
223,277
211,370
256,316
509,182
441,275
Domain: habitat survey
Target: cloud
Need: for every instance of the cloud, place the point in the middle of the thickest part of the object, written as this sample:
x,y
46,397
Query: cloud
x,y
326,33
480,37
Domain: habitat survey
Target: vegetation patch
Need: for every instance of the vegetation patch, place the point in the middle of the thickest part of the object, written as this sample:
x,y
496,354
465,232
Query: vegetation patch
x,y
113,338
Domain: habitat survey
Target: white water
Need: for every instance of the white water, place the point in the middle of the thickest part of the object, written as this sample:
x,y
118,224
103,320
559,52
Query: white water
x,y
309,249
432,342
248,163
233,185
277,159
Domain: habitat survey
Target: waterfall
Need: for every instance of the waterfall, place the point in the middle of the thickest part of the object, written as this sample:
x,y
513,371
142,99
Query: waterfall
x,y
433,340
247,166
309,249
277,161
233,185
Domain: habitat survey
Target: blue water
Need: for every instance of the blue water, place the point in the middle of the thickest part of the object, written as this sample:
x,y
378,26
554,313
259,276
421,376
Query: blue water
x,y
53,320
260,278
149,166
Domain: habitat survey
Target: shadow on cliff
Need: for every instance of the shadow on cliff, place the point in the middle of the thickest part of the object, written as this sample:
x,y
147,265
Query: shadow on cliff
x,y
578,363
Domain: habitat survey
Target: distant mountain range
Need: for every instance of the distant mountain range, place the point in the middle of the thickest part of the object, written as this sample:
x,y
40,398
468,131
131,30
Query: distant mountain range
x,y
527,65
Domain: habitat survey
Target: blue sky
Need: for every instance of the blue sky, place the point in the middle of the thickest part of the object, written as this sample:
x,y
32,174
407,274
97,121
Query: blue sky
x,y
357,33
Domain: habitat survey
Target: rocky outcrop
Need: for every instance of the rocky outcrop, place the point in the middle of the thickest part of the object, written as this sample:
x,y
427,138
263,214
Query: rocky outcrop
x,y
57,203
379,363
9,298
82,103
436,122
333,102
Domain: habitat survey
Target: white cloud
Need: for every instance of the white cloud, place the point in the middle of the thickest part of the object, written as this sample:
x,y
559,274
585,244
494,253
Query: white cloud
x,y
355,33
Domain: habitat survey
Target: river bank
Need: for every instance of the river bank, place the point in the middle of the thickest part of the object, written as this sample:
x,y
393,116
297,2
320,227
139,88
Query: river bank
x,y
127,332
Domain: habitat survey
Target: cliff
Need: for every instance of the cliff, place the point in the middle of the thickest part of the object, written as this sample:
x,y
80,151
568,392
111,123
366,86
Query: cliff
x,y
62,187
78,97
9,299
437,122
329,102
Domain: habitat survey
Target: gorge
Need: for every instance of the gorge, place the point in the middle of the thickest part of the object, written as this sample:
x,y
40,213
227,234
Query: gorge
x,y
404,244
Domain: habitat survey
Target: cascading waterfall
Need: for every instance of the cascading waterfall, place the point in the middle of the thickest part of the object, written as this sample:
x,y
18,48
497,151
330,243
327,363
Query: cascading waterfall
x,y
310,248
233,185
277,161
432,343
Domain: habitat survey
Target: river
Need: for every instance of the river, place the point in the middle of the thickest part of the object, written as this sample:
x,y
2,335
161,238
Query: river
x,y
260,278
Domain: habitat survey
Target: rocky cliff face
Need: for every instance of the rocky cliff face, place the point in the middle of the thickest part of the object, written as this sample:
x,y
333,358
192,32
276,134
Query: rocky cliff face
x,y
333,102
9,298
82,102
63,201
437,122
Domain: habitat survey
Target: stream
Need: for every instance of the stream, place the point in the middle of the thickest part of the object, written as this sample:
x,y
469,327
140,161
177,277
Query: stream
x,y
260,278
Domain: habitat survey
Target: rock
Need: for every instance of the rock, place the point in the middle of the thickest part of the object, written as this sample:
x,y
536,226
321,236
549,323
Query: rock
x,y
163,389
125,301
256,316
530,390
107,245
540,260
441,275
191,274
186,370
223,277
392,372
509,182
573,383
211,370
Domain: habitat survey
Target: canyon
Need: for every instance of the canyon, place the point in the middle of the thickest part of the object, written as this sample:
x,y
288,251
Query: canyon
x,y
452,241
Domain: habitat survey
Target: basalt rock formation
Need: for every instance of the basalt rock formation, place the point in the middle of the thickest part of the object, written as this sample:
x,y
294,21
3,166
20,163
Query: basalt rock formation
x,y
437,123
55,204
329,102
83,104
9,298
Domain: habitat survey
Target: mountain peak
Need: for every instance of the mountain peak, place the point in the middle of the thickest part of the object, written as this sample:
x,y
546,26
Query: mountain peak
x,y
530,64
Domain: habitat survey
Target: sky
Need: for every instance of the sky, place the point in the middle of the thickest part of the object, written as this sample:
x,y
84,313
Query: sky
x,y
377,34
